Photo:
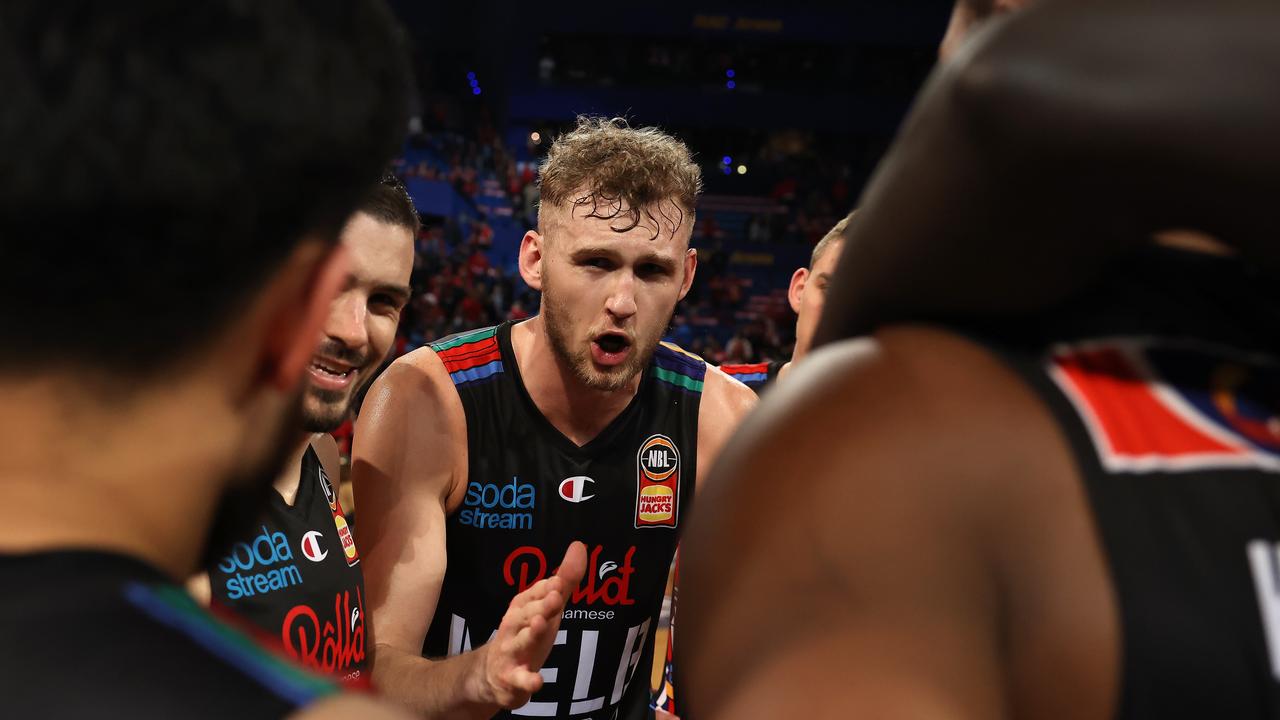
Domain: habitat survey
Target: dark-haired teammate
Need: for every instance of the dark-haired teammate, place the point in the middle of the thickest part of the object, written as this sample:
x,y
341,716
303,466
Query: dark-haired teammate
x,y
173,184
1071,514
296,574
505,444
807,295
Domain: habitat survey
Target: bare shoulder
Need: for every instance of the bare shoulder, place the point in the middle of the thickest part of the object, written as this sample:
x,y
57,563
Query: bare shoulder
x,y
412,426
725,402
867,478
727,395
347,705
416,384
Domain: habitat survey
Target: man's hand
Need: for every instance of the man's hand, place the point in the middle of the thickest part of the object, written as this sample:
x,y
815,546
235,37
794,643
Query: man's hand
x,y
514,657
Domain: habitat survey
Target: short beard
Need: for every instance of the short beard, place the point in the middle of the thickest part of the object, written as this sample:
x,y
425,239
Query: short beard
x,y
333,407
247,491
579,362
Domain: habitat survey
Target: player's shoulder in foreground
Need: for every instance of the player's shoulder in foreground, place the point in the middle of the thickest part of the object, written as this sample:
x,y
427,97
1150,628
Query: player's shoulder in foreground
x,y
934,400
895,461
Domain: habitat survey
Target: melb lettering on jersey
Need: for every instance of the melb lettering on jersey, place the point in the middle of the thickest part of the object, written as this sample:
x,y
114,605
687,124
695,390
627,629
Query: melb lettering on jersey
x,y
260,566
506,507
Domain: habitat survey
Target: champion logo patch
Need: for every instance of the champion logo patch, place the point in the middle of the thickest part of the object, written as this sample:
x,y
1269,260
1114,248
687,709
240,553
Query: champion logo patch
x,y
575,489
311,548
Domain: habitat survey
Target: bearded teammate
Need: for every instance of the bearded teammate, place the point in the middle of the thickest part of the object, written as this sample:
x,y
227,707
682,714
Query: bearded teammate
x,y
296,575
169,228
1070,514
478,460
807,294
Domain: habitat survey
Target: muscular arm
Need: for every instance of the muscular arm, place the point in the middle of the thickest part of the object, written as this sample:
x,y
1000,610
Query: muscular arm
x,y
852,555
409,456
1056,141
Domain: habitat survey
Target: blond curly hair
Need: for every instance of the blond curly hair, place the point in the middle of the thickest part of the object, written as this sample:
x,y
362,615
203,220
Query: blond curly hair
x,y
621,172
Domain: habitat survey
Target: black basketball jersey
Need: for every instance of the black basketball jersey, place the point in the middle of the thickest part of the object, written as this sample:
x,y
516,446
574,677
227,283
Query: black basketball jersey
x,y
757,376
299,578
91,634
1167,384
531,491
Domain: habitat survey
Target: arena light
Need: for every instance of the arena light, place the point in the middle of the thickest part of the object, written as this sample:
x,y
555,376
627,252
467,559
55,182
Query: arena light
x,y
731,84
535,137
742,169
726,160
729,73
475,91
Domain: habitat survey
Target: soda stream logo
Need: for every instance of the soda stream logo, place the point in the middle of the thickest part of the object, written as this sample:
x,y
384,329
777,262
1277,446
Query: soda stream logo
x,y
489,505
260,566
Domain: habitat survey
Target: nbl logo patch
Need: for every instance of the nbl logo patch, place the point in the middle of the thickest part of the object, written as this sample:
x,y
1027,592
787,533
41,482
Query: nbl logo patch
x,y
657,483
339,521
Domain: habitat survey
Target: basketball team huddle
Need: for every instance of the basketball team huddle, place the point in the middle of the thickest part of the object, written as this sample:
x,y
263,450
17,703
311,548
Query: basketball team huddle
x,y
1024,460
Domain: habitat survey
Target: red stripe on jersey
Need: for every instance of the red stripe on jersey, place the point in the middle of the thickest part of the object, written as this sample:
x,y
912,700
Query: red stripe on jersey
x,y
745,369
465,357
1125,413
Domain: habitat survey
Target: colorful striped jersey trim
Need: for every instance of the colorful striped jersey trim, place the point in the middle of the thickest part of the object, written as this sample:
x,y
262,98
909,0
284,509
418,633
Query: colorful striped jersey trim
x,y
470,357
678,367
749,374
172,607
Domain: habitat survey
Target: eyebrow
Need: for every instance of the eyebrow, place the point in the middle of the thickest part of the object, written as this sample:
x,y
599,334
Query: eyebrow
x,y
665,261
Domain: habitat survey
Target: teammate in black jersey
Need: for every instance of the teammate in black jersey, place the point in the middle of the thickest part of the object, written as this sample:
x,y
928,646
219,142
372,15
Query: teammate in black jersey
x,y
173,184
505,444
807,295
1065,515
297,573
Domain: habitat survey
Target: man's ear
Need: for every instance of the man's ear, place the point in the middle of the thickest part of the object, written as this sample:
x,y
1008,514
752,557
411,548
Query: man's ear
x,y
795,293
531,250
690,268
308,282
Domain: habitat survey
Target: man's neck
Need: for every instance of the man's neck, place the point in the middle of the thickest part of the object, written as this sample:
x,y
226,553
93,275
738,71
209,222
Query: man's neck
x,y
134,479
579,412
290,476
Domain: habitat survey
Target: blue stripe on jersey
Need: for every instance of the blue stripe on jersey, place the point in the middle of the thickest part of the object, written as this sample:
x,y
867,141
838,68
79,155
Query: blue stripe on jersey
x,y
676,360
479,372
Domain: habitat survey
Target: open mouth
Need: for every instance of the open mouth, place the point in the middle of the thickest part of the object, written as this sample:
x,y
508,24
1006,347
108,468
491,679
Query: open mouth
x,y
610,349
331,373
332,369
613,343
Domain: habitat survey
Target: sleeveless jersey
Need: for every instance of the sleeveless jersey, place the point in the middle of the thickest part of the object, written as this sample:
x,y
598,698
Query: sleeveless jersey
x,y
756,376
531,491
299,578
1167,385
96,635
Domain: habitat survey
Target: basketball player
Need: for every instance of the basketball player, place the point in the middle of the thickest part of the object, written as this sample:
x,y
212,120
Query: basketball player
x,y
174,179
807,293
503,445
1071,518
296,574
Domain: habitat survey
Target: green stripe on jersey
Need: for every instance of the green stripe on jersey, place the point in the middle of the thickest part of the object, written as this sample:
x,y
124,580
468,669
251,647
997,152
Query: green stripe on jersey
x,y
677,379
470,337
